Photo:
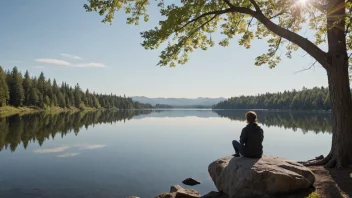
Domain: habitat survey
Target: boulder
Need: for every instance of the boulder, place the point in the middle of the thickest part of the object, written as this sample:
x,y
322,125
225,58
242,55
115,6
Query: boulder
x,y
190,182
164,195
180,192
240,177
214,194
177,191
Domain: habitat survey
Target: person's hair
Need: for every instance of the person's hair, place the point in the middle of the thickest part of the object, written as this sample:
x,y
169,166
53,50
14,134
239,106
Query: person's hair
x,y
251,117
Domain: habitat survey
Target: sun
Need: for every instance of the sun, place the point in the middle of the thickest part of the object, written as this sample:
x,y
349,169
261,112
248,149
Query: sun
x,y
302,1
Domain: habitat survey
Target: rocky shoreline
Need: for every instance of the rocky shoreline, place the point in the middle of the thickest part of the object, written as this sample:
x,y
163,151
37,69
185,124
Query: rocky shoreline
x,y
268,176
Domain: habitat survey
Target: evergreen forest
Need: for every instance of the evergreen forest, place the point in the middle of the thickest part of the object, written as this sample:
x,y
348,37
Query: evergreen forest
x,y
18,90
316,98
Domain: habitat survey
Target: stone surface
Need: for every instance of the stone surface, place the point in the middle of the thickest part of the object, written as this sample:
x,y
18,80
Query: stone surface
x,y
180,192
177,191
190,182
214,194
244,177
164,195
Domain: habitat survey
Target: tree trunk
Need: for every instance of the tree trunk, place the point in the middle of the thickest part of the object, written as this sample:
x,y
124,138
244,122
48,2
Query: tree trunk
x,y
340,97
339,89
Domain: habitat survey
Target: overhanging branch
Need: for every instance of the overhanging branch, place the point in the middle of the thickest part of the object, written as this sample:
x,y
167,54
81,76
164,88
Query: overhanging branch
x,y
303,43
216,13
293,37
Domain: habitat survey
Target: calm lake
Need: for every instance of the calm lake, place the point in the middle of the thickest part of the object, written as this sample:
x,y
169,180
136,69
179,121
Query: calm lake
x,y
141,153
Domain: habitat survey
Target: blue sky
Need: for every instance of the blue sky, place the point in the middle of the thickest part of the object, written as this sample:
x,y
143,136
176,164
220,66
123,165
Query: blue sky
x,y
66,43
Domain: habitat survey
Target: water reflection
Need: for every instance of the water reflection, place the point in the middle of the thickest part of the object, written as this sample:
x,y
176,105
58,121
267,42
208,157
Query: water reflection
x,y
16,130
117,159
306,121
31,128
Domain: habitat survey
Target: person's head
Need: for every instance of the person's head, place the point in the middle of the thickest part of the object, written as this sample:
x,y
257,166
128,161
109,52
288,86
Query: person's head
x,y
251,117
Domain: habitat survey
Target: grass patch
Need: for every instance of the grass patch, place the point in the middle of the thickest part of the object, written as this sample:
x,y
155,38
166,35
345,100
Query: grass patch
x,y
8,110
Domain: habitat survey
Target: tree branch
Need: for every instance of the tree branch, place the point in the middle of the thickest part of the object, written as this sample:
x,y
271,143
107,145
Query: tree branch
x,y
313,65
293,37
279,14
140,7
249,24
228,3
256,6
278,45
181,43
218,12
303,43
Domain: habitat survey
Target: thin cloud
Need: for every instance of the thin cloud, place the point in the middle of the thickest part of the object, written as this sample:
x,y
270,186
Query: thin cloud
x,y
89,146
65,63
72,56
53,61
38,67
52,150
68,155
89,65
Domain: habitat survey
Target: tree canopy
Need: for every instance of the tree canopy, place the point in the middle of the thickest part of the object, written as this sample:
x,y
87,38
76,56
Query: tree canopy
x,y
188,25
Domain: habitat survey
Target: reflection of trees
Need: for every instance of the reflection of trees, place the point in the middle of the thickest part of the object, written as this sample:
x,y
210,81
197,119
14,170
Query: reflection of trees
x,y
39,127
317,122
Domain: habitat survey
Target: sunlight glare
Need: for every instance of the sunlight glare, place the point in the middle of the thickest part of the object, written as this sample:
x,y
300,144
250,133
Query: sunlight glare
x,y
302,1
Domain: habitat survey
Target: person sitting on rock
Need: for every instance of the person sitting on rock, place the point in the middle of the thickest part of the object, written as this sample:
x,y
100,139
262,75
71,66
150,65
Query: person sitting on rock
x,y
251,139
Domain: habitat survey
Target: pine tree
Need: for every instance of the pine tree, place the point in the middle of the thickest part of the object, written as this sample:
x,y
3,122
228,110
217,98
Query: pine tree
x,y
48,90
4,91
77,96
16,88
40,87
61,100
27,88
33,96
47,101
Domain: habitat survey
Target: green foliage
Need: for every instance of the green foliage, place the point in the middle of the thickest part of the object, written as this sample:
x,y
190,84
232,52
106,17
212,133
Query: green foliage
x,y
14,81
42,93
306,99
33,97
27,88
189,25
4,91
313,195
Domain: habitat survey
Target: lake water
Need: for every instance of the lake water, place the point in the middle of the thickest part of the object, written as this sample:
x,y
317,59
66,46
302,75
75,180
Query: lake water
x,y
141,153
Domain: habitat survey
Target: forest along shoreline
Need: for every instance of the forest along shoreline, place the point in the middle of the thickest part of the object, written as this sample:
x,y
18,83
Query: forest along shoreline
x,y
27,94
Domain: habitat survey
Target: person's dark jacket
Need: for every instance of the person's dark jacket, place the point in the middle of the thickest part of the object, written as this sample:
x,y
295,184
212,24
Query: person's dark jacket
x,y
252,138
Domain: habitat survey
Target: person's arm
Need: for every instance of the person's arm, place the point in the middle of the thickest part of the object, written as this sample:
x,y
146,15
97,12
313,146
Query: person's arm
x,y
243,137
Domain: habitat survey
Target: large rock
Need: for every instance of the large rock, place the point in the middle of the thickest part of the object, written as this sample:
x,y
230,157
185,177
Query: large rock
x,y
214,194
264,177
180,192
177,191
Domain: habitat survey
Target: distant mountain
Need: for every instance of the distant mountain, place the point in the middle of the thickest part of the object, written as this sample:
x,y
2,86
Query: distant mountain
x,y
180,102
